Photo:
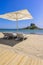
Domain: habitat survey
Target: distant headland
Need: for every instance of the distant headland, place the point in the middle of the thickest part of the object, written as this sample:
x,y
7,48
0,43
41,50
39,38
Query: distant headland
x,y
31,27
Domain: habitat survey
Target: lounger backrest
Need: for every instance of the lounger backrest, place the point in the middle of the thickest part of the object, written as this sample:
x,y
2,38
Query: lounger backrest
x,y
20,35
8,34
1,35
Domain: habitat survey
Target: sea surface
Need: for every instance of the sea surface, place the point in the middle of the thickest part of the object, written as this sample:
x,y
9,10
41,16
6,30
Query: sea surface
x,y
23,31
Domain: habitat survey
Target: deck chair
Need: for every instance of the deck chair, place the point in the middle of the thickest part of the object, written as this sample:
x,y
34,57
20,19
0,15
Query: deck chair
x,y
9,36
1,35
20,37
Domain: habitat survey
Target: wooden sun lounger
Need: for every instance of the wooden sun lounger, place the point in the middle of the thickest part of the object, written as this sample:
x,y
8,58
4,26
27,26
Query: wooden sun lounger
x,y
9,35
20,37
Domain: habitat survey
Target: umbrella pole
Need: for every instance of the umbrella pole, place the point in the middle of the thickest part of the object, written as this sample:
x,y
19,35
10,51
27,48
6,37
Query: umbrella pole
x,y
17,21
17,24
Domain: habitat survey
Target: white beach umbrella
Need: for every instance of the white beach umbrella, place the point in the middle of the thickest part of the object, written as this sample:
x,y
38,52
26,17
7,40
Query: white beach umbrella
x,y
18,15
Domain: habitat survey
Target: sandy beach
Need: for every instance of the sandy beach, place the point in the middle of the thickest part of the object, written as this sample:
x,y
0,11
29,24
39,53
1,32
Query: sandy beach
x,y
31,47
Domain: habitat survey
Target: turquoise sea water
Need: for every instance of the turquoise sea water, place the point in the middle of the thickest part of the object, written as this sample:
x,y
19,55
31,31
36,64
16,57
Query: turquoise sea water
x,y
23,31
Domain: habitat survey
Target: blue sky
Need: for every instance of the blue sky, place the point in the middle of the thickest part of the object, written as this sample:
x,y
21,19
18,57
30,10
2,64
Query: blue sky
x,y
35,7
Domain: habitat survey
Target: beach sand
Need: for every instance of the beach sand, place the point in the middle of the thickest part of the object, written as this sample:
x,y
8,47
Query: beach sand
x,y
9,57
32,48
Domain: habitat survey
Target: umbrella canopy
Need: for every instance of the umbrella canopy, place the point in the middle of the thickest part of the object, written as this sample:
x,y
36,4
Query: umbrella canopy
x,y
18,15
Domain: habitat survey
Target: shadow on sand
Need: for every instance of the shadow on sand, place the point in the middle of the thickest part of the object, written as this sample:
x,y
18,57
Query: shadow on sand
x,y
10,42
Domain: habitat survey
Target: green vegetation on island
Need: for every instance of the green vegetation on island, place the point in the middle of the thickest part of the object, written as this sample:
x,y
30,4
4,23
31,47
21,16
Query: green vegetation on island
x,y
32,26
